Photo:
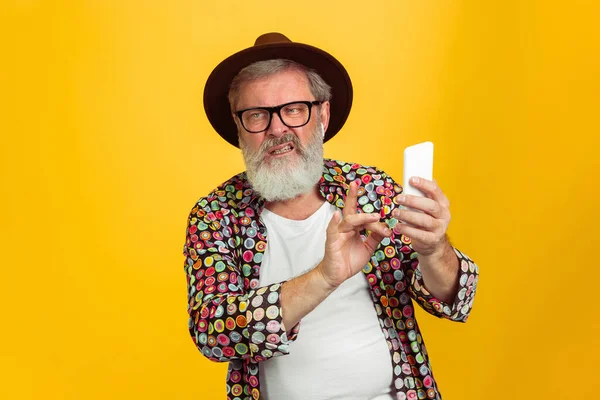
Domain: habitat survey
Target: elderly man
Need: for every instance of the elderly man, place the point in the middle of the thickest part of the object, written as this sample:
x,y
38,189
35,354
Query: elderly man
x,y
298,275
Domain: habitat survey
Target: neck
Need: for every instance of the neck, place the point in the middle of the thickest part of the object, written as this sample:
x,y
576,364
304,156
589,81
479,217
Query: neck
x,y
298,208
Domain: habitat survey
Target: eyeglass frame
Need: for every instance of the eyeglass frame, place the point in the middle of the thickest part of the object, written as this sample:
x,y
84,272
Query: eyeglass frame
x,y
277,110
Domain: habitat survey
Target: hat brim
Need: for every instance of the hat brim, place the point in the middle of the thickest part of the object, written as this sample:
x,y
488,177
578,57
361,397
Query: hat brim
x,y
216,104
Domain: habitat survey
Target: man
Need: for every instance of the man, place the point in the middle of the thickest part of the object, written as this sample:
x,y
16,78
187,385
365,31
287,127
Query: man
x,y
297,274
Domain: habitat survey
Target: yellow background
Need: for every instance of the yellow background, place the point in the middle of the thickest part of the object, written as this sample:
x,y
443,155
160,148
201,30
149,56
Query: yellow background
x,y
105,147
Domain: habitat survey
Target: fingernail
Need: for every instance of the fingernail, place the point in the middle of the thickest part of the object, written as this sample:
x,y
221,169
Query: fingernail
x,y
416,180
401,199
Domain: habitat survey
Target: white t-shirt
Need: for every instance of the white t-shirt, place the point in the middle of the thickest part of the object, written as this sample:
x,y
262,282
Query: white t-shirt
x,y
340,351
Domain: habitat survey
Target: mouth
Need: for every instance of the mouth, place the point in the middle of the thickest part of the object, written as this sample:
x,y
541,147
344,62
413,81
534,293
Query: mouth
x,y
281,149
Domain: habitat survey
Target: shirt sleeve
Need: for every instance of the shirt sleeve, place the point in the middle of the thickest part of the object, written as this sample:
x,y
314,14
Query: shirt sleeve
x,y
460,308
468,273
226,321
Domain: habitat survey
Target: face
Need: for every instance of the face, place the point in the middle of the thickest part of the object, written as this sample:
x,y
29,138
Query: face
x,y
282,162
280,88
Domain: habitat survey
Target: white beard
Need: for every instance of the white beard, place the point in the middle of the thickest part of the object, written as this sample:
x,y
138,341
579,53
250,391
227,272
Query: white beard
x,y
282,179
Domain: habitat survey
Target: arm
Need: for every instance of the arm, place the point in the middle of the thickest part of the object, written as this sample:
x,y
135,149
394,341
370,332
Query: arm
x,y
442,279
440,272
228,322
456,307
303,294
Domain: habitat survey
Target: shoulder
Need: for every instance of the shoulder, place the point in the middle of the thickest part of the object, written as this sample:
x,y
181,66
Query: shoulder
x,y
230,196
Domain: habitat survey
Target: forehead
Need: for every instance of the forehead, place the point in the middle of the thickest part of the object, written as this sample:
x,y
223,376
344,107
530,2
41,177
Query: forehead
x,y
281,87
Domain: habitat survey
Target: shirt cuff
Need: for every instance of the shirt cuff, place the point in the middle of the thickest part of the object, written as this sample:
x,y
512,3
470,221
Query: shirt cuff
x,y
268,336
461,307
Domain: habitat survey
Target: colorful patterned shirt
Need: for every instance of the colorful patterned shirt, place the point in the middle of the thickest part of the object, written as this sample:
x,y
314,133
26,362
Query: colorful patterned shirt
x,y
234,320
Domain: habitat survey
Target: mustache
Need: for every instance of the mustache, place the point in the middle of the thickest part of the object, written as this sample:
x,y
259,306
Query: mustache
x,y
288,137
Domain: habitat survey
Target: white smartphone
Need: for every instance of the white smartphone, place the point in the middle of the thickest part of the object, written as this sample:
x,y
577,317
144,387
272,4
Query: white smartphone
x,y
418,161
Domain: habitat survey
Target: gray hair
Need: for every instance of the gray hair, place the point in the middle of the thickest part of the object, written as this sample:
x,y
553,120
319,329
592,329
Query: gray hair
x,y
261,69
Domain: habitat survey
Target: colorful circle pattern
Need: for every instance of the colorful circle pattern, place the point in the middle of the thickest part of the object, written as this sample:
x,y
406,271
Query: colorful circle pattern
x,y
232,319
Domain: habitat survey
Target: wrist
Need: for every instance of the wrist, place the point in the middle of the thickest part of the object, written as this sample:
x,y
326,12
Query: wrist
x,y
442,256
320,280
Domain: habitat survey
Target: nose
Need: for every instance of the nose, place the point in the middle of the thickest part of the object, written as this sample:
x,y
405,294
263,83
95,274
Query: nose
x,y
277,127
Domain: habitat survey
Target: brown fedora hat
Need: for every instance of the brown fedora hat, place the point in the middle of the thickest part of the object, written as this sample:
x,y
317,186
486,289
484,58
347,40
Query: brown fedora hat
x,y
271,46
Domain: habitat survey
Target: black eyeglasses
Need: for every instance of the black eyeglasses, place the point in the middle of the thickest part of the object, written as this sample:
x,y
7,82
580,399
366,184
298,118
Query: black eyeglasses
x,y
293,115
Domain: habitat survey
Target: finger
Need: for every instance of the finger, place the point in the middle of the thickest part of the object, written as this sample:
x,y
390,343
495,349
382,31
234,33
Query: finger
x,y
332,228
425,204
417,219
357,222
430,188
416,235
351,202
380,228
444,201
